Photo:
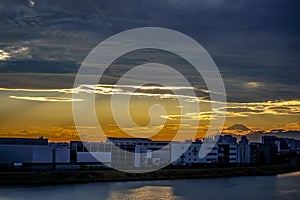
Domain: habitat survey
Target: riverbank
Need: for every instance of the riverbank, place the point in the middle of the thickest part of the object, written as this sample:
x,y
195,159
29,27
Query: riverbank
x,y
45,178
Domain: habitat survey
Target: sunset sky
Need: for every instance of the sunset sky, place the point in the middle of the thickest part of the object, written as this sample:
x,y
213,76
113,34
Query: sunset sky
x,y
255,44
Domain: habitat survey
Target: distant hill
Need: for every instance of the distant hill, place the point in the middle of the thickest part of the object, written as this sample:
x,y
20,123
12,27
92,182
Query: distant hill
x,y
256,136
239,128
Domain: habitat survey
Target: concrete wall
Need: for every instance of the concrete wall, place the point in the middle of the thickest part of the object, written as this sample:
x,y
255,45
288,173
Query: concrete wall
x,y
10,154
93,157
61,154
42,154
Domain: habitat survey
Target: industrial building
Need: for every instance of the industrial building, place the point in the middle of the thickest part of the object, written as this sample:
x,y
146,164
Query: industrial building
x,y
33,153
134,153
121,152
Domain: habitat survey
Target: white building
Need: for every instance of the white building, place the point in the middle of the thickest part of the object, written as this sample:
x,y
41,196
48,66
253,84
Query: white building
x,y
190,155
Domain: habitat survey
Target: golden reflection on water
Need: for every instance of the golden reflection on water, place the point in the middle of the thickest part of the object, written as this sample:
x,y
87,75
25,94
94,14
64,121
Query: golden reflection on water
x,y
289,174
147,193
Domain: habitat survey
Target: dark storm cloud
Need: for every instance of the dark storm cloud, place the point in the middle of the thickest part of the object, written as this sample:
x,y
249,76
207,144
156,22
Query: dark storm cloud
x,y
254,43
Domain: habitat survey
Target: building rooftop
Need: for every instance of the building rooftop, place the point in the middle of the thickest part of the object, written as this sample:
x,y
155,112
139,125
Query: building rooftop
x,y
24,141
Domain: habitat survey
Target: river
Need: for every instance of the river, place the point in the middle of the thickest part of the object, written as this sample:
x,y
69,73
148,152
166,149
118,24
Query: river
x,y
286,186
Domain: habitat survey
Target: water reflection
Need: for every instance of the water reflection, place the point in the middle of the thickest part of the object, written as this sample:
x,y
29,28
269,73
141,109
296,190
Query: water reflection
x,y
289,185
146,192
289,174
269,187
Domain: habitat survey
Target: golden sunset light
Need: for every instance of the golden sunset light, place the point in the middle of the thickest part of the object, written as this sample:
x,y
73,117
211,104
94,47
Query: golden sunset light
x,y
48,112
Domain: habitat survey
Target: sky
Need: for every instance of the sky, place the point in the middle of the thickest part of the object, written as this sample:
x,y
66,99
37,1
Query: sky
x,y
254,43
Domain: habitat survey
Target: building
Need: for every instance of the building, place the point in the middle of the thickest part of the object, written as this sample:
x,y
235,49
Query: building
x,y
227,149
24,141
125,153
209,150
281,143
31,153
244,150
254,152
61,153
12,154
91,153
19,151
138,153
189,157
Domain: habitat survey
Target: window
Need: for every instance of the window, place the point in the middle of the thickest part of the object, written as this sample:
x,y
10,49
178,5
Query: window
x,y
212,154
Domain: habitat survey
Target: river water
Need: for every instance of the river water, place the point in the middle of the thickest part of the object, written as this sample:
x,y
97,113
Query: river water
x,y
286,186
